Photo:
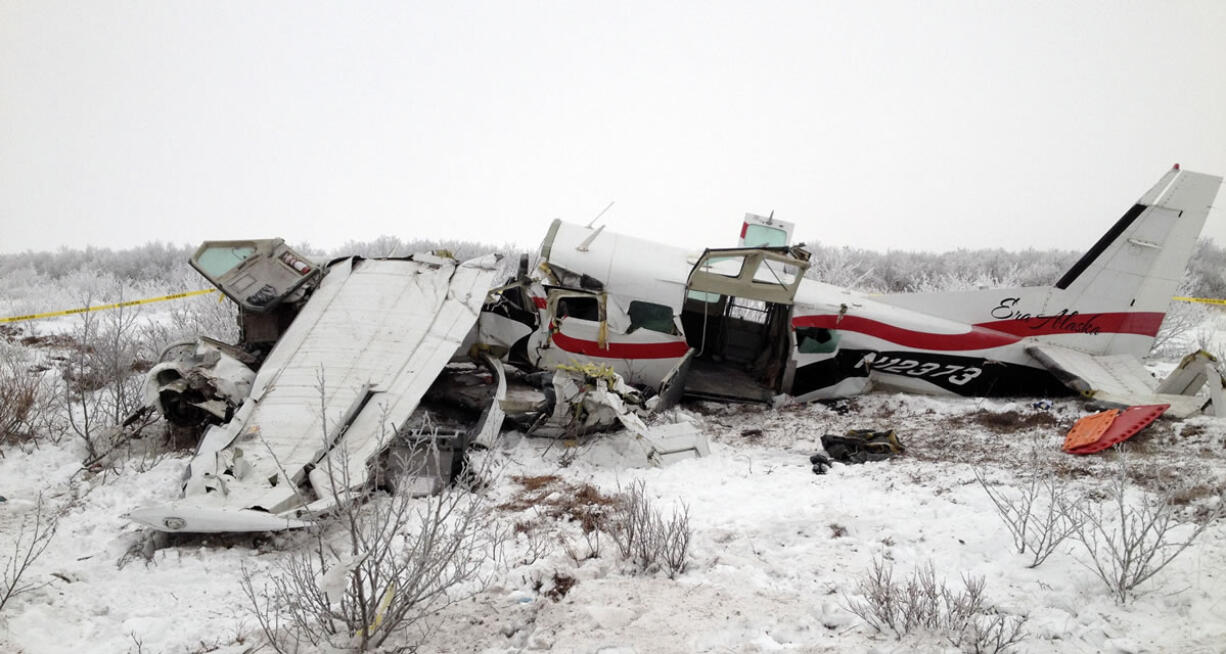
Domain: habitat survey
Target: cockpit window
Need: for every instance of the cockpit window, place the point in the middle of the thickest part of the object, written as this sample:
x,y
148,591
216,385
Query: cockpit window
x,y
218,260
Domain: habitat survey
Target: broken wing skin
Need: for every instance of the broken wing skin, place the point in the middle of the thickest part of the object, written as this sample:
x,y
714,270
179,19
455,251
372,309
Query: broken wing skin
x,y
842,342
331,394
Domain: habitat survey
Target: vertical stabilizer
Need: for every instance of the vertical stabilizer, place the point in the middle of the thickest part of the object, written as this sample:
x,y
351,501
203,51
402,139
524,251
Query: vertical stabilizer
x,y
1137,265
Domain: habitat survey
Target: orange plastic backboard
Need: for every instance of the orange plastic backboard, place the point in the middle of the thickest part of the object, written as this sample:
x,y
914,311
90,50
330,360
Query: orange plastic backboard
x,y
1125,426
1089,429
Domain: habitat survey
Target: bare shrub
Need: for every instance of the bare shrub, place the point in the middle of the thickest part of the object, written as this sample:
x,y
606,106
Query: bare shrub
x,y
381,565
33,537
1038,513
103,377
646,538
922,603
26,402
188,318
1178,333
1129,542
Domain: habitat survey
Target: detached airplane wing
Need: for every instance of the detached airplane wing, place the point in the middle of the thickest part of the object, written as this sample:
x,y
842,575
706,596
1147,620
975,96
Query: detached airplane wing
x,y
332,394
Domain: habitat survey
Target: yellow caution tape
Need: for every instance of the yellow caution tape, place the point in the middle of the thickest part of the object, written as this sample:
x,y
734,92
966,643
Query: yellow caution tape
x,y
179,296
1202,300
129,303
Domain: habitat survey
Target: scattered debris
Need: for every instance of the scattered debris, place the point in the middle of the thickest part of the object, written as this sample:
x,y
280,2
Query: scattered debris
x,y
862,445
198,383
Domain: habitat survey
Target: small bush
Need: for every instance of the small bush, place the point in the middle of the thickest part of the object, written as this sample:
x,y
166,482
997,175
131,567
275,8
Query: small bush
x,y
1039,513
402,561
33,537
20,393
646,538
1129,542
964,618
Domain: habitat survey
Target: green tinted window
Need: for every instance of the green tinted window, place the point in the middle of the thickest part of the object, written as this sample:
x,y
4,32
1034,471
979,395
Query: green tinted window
x,y
759,236
218,260
703,296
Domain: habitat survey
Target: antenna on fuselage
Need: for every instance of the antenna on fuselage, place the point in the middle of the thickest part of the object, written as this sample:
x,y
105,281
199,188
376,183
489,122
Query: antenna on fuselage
x,y
610,205
582,247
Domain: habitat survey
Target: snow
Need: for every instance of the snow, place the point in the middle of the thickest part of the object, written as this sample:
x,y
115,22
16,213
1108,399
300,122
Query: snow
x,y
775,556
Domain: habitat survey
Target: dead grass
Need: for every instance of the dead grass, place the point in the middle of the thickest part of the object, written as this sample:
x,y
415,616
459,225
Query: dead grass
x,y
560,500
1004,422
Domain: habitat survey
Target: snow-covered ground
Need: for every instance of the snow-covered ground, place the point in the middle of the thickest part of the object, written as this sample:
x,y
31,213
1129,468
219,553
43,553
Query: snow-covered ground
x,y
775,557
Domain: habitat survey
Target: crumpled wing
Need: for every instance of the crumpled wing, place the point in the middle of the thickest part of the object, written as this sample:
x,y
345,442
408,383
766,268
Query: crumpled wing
x,y
330,396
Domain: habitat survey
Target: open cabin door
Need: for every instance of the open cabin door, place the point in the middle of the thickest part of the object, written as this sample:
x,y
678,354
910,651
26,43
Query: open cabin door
x,y
736,315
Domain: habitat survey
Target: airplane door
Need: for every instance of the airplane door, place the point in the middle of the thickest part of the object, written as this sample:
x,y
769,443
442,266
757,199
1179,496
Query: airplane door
x,y
736,314
766,274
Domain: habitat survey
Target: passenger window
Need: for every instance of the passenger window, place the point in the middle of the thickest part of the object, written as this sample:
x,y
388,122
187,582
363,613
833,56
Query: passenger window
x,y
656,317
703,296
814,340
581,307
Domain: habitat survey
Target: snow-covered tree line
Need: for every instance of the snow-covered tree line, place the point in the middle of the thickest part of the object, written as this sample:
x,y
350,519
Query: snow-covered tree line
x,y
879,272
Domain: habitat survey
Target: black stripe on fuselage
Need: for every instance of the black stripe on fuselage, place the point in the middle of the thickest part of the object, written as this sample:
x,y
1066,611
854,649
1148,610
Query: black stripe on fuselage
x,y
1088,258
970,376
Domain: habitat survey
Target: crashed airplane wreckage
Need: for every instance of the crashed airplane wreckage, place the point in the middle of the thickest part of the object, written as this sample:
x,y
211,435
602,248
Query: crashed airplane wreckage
x,y
343,355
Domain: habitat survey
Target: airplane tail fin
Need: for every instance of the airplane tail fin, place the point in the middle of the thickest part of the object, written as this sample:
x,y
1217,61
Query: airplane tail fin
x,y
1137,265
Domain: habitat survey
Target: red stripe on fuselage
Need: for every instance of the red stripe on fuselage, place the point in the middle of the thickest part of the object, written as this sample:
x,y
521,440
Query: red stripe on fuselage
x,y
1142,323
992,334
614,350
977,338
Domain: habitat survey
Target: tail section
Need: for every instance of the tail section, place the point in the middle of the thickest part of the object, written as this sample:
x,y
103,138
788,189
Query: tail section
x,y
1135,268
1113,299
1140,261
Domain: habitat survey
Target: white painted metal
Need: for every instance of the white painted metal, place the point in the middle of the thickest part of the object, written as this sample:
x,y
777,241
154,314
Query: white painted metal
x,y
491,419
1117,379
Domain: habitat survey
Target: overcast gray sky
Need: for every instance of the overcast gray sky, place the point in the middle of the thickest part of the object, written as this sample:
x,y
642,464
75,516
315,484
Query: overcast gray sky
x,y
910,125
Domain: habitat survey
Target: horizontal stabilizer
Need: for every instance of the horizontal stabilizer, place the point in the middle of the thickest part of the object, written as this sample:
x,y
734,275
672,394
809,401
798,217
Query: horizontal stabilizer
x,y
1114,380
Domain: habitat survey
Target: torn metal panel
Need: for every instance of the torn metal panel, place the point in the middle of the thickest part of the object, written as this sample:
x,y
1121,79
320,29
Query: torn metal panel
x,y
1119,380
490,424
1190,375
339,384
591,398
198,382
